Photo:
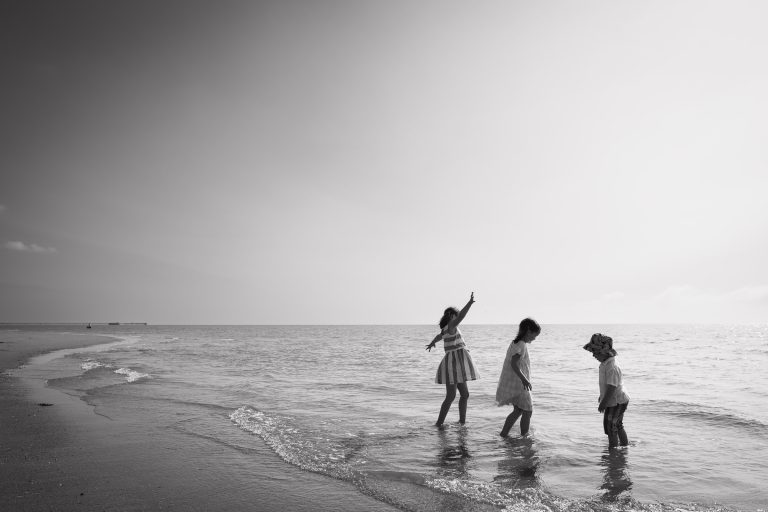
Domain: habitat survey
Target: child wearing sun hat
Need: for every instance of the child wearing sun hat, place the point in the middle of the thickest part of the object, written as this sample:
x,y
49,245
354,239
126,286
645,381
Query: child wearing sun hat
x,y
613,399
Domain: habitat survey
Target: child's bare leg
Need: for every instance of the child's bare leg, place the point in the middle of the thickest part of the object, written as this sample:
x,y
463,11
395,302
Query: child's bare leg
x,y
609,426
613,434
511,419
450,394
525,422
464,392
623,441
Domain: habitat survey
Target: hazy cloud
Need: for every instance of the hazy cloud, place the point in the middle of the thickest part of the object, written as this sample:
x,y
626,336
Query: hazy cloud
x,y
749,294
22,247
2,208
691,294
613,296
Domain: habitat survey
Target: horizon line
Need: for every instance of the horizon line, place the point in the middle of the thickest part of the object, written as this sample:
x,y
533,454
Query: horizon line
x,y
148,324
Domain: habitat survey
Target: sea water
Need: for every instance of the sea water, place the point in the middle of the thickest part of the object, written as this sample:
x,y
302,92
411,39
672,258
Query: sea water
x,y
359,403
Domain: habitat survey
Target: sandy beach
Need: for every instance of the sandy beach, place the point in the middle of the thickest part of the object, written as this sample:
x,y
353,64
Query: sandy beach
x,y
63,456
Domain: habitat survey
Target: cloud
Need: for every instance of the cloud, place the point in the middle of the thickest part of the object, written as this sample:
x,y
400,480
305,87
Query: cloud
x,y
2,208
22,247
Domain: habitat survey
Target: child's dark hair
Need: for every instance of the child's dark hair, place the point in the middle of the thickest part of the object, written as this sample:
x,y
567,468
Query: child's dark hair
x,y
447,314
526,326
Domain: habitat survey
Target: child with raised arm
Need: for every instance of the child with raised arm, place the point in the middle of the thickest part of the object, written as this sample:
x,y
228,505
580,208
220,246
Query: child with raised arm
x,y
515,381
613,399
456,368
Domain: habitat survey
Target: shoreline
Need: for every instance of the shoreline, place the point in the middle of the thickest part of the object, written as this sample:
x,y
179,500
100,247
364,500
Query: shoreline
x,y
65,456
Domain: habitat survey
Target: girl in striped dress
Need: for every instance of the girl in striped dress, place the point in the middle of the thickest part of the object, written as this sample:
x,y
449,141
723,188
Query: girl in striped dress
x,y
456,368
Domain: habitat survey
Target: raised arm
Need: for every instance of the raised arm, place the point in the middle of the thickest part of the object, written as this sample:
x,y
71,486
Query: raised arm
x,y
432,343
456,321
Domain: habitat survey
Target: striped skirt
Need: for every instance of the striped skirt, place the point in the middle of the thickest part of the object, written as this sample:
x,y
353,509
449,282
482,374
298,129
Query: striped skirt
x,y
455,368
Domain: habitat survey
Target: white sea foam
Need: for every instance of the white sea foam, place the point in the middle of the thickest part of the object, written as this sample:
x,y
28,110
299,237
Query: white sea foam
x,y
305,451
131,375
91,365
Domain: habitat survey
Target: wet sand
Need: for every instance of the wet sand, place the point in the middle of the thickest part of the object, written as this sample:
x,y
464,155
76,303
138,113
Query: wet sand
x,y
64,456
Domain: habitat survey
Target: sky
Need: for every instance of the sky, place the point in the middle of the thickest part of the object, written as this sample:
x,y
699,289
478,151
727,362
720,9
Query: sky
x,y
373,162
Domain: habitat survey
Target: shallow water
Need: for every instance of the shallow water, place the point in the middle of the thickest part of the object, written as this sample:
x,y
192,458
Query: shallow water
x,y
358,403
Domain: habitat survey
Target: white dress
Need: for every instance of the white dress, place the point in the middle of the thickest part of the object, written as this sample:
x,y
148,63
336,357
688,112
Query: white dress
x,y
510,390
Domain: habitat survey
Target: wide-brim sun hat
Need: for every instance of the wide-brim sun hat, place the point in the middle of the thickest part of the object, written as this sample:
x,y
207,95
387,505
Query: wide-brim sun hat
x,y
600,344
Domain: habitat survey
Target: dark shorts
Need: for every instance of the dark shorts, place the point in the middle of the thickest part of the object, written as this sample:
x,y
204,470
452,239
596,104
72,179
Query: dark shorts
x,y
613,418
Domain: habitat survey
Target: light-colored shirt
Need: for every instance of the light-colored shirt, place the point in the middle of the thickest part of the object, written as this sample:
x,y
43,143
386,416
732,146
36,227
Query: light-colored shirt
x,y
610,373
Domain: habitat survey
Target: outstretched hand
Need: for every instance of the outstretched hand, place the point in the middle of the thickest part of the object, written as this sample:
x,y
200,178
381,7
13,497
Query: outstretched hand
x,y
472,298
430,347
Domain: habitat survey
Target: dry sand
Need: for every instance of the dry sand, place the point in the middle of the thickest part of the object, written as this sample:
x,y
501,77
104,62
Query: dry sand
x,y
64,457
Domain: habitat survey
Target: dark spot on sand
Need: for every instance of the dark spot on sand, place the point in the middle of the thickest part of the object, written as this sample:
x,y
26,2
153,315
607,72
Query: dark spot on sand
x,y
43,404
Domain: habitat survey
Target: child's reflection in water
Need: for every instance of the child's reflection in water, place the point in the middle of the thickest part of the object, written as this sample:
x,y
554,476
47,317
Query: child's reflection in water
x,y
520,465
617,483
453,456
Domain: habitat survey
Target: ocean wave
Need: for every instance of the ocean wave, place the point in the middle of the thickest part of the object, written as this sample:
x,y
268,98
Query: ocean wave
x,y
90,365
710,415
292,445
539,499
348,459
312,452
